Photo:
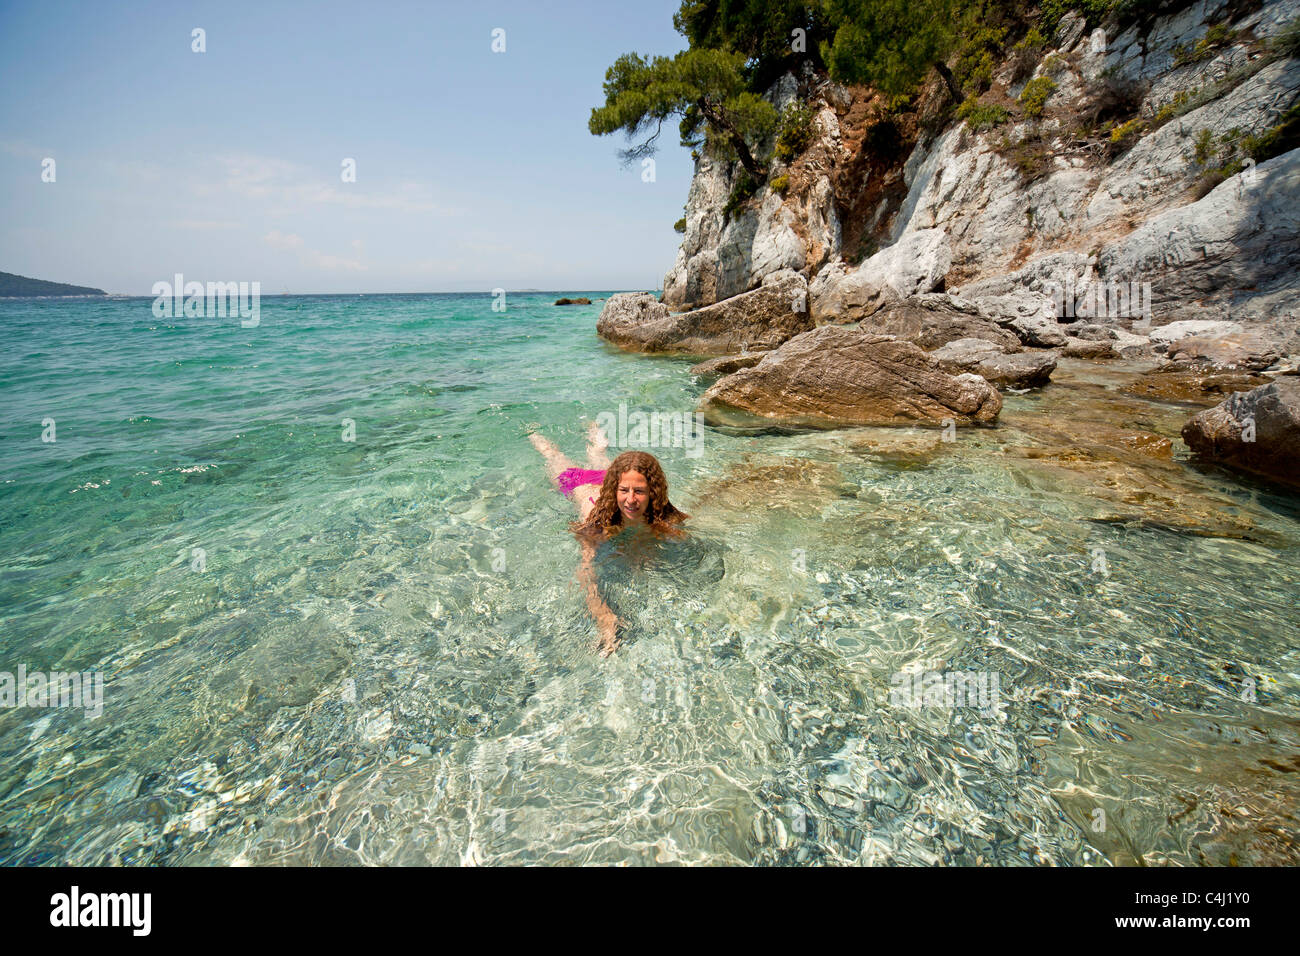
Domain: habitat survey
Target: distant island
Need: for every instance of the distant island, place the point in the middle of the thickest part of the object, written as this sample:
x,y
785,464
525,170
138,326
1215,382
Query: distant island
x,y
12,285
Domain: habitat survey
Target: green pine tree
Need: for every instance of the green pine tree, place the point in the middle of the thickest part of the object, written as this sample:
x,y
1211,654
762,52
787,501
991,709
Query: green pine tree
x,y
706,88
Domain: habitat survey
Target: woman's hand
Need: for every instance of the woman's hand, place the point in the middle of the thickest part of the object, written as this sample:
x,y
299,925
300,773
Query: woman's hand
x,y
609,639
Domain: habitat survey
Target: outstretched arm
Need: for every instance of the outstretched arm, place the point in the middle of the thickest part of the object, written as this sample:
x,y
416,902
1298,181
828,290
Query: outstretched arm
x,y
606,621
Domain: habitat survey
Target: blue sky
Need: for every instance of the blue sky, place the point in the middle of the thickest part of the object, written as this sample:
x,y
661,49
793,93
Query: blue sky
x,y
474,169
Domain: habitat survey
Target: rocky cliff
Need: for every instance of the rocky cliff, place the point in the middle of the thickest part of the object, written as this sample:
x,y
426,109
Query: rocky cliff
x,y
1135,171
1115,194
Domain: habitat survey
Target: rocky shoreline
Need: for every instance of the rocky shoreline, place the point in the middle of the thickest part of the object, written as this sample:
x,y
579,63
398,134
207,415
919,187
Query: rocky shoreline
x,y
941,360
981,281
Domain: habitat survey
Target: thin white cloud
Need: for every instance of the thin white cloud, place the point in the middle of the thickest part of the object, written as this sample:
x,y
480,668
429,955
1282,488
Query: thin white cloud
x,y
206,225
330,263
279,240
487,260
314,258
24,149
265,178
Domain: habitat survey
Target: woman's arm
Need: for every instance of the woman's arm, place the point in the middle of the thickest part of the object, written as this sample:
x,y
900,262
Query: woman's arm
x,y
606,621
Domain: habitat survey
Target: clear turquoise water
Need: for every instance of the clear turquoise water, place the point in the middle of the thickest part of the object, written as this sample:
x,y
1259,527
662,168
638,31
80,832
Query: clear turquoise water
x,y
386,658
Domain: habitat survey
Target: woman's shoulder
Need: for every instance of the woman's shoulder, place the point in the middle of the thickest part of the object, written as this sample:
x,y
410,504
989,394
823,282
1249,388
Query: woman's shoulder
x,y
589,532
671,526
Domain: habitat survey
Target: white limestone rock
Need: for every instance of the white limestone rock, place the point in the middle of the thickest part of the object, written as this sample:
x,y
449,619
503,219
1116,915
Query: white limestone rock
x,y
917,263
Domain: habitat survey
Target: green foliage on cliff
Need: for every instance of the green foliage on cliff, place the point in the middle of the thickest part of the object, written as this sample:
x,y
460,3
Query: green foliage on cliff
x,y
1287,41
1282,138
980,116
795,131
1230,154
745,187
1035,94
737,48
978,57
1203,147
1095,11
773,35
891,44
1215,39
1123,131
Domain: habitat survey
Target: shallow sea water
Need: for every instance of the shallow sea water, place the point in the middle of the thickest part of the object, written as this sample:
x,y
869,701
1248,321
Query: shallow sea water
x,y
386,657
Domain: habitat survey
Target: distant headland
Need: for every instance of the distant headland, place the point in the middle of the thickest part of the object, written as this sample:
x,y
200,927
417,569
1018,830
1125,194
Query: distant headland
x,y
12,285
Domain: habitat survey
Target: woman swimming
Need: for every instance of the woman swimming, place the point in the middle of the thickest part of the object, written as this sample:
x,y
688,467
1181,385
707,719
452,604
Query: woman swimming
x,y
631,491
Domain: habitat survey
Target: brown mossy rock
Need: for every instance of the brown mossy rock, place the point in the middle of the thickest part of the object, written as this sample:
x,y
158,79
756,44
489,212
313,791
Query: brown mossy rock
x,y
1256,431
582,301
758,320
1132,488
835,376
1192,386
1079,439
1244,351
1117,455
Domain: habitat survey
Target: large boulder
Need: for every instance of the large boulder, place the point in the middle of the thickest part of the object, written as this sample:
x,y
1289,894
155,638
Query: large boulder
x,y
845,376
1243,351
1165,335
757,320
915,264
1000,368
627,311
1128,344
1256,431
936,319
1090,348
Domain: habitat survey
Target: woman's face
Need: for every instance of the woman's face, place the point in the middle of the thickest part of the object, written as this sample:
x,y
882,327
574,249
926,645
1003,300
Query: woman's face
x,y
633,496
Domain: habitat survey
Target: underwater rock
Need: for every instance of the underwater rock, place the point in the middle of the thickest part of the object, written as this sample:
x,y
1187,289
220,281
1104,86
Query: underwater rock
x,y
800,486
1201,387
287,667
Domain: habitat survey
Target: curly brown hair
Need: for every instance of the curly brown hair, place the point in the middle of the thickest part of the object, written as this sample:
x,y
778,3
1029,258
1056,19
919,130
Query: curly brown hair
x,y
606,519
